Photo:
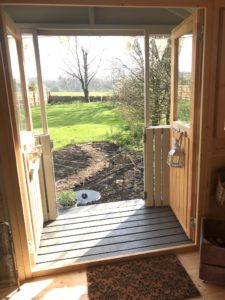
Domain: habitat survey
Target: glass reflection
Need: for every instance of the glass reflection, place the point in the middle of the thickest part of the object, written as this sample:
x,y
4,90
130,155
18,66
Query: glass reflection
x,y
184,78
31,76
17,86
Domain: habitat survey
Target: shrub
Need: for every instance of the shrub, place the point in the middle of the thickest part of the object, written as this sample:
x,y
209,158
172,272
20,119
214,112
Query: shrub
x,y
130,137
67,198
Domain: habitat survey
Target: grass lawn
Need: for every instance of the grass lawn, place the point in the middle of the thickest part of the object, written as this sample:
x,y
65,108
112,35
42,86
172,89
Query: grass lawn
x,y
100,93
183,111
81,122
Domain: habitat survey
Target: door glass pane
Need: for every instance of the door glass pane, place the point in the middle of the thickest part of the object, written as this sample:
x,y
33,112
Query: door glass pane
x,y
31,77
184,78
17,86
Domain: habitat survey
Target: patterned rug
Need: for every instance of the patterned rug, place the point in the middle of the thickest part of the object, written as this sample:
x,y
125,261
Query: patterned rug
x,y
153,278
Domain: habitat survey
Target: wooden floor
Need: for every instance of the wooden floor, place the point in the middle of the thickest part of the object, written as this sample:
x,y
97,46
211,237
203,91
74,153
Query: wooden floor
x,y
73,285
108,230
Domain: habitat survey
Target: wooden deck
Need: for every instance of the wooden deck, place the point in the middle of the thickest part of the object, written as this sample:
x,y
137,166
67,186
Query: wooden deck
x,y
108,230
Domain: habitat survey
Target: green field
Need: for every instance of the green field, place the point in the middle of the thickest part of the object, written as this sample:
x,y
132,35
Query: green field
x,y
93,122
80,122
99,93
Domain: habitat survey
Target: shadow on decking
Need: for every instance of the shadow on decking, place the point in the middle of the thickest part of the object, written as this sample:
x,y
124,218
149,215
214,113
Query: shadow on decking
x,y
108,230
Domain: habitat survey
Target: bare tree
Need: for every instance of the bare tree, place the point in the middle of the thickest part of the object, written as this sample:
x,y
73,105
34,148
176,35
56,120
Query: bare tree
x,y
81,65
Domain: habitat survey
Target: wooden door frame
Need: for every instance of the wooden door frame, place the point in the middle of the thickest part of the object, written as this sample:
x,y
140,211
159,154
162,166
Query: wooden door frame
x,y
10,159
11,166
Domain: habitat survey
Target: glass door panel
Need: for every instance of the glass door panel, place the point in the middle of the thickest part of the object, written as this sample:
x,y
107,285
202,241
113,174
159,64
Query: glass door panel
x,y
17,85
184,78
185,107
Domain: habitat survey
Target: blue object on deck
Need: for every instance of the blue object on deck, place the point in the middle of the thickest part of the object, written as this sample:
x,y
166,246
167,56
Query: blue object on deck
x,y
85,197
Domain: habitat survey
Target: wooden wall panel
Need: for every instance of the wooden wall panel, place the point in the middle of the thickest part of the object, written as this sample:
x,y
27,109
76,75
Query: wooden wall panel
x,y
220,84
216,150
213,209
2,210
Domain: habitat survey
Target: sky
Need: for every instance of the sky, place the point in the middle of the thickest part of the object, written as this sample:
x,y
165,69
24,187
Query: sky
x,y
53,50
185,55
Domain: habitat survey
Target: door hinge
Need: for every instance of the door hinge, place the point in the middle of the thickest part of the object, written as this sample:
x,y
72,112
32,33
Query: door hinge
x,y
200,33
144,138
145,195
192,222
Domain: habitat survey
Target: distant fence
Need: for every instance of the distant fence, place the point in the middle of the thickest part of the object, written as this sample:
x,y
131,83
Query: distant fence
x,y
184,92
34,98
48,98
71,99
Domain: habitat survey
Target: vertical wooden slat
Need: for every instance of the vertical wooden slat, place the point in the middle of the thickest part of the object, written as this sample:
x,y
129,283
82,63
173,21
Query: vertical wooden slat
x,y
36,204
146,81
4,214
157,163
174,66
180,187
148,175
28,118
188,188
27,216
40,84
165,167
156,170
49,178
183,180
181,196
43,191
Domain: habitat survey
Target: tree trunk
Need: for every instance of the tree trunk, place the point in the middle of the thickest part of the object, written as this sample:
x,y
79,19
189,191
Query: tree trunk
x,y
86,95
86,91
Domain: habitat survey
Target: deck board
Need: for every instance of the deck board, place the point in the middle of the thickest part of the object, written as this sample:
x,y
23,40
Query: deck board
x,y
99,215
88,236
100,228
106,220
103,231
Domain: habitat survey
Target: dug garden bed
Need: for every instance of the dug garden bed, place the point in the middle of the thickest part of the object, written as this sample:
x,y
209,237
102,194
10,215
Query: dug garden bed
x,y
115,172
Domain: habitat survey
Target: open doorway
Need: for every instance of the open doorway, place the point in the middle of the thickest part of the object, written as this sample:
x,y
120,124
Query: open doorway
x,y
112,167
152,166
97,134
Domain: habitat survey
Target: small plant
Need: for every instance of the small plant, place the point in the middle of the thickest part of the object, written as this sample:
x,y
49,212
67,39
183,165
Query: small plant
x,y
67,198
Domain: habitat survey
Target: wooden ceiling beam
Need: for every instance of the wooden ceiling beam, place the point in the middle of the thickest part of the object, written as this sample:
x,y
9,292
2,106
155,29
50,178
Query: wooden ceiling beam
x,y
91,14
88,30
113,3
191,10
180,14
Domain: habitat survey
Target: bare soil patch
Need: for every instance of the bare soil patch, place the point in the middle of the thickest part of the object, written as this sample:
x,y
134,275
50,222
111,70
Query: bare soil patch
x,y
115,172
